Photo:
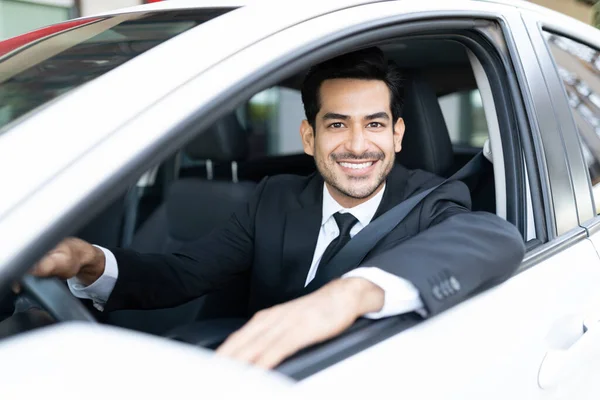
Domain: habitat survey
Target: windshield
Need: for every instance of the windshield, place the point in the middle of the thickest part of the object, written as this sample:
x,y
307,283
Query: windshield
x,y
37,67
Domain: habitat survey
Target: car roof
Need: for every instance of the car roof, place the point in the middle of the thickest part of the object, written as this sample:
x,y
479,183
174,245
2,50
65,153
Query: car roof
x,y
190,4
318,7
187,4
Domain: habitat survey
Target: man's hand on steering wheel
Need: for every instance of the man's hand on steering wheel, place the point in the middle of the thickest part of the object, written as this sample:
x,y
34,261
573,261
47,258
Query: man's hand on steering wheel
x,y
72,258
41,288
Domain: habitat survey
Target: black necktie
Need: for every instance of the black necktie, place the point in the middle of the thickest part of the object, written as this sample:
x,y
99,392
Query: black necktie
x,y
345,222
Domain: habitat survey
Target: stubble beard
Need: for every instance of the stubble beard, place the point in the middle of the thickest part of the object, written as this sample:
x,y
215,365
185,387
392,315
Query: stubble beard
x,y
352,191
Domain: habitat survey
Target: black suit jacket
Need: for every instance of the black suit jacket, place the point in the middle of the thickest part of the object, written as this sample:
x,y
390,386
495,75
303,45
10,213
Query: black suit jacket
x,y
444,249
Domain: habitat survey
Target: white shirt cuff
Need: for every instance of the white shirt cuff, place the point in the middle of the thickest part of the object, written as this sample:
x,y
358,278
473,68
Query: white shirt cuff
x,y
401,296
100,290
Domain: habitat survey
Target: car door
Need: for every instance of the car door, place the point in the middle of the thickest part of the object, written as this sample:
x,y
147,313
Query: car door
x,y
576,55
574,50
524,338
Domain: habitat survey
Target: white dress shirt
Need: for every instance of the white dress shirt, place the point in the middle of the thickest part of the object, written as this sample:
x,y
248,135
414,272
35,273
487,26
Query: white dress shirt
x,y
400,295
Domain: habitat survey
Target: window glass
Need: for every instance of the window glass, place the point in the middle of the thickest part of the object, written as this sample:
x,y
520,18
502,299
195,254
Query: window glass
x,y
579,69
273,119
465,118
39,66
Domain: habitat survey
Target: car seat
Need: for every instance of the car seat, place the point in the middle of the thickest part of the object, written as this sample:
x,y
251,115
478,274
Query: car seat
x,y
426,144
192,208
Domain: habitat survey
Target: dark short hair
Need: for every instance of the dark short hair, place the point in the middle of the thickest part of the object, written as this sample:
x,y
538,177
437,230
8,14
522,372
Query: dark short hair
x,y
367,64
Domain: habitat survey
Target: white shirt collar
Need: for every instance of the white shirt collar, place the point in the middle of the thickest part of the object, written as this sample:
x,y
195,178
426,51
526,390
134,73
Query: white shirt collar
x,y
363,212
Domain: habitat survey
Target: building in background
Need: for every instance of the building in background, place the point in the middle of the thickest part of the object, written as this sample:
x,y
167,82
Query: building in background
x,y
582,10
89,7
21,16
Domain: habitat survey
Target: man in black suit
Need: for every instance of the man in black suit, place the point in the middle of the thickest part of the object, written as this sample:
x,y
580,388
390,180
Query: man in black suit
x,y
292,226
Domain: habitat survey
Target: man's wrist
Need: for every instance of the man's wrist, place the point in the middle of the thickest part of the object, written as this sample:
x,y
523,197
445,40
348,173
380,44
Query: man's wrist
x,y
93,266
363,295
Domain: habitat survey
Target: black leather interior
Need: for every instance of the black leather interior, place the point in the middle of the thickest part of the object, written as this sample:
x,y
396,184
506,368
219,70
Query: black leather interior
x,y
105,229
192,208
226,140
426,144
208,334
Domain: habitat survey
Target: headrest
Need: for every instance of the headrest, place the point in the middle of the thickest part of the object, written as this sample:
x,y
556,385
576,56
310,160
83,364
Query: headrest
x,y
426,144
226,140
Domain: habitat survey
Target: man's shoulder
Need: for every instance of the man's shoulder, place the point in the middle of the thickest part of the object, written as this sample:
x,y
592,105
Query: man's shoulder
x,y
287,181
413,180
290,189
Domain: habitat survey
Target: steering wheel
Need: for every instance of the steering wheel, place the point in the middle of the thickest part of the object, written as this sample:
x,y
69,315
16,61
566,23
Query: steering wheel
x,y
52,295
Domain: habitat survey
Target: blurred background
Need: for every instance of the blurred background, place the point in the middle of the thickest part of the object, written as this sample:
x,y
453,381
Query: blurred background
x,y
21,16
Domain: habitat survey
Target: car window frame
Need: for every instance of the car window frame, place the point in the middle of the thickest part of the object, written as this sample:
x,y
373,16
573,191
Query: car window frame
x,y
358,338
570,137
588,218
366,334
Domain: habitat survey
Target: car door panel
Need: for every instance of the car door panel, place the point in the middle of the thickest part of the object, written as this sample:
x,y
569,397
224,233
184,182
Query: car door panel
x,y
489,347
494,345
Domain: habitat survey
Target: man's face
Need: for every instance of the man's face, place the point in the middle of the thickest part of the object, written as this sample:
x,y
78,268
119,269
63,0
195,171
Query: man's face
x,y
355,140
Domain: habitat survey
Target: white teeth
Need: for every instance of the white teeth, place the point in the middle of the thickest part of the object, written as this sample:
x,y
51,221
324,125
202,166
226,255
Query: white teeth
x,y
356,166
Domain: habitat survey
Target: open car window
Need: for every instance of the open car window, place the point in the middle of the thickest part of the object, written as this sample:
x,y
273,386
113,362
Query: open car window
x,y
465,117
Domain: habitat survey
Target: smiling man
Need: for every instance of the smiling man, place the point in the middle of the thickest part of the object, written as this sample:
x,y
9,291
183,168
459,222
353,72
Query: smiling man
x,y
293,226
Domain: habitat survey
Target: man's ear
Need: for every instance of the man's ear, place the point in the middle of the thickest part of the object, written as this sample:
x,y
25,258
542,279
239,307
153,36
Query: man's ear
x,y
398,134
307,135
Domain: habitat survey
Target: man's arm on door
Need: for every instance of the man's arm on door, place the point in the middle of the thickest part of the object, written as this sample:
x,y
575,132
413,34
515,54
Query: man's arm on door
x,y
457,253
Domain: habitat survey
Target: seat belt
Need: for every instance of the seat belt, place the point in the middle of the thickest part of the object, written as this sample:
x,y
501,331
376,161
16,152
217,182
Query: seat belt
x,y
351,255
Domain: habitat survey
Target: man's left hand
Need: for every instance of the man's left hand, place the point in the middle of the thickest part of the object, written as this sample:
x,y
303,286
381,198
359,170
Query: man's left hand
x,y
276,333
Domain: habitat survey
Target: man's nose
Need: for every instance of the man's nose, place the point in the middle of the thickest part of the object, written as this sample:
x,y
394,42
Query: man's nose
x,y
357,142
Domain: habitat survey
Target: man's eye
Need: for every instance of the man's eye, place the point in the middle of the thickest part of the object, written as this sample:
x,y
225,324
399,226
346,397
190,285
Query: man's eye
x,y
375,124
336,125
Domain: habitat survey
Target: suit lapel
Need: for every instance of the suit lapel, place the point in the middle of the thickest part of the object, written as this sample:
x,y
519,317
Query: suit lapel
x,y
394,190
301,232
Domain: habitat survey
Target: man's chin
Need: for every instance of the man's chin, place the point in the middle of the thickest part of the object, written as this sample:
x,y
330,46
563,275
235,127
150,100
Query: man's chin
x,y
360,193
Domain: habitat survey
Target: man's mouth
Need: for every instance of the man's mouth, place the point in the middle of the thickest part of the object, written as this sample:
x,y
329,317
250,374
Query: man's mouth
x,y
358,168
362,165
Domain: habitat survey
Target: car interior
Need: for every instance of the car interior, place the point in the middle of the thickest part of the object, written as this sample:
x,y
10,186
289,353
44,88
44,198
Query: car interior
x,y
196,189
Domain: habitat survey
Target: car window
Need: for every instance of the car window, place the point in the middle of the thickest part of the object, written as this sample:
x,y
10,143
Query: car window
x,y
465,118
40,66
579,69
273,119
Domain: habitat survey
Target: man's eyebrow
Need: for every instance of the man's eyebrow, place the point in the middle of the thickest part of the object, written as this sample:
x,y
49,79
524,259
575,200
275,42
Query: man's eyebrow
x,y
331,115
378,115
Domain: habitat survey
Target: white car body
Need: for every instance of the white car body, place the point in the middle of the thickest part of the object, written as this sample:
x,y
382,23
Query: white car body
x,y
522,339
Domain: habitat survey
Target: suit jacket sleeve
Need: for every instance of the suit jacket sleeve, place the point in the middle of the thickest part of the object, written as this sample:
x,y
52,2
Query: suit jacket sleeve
x,y
456,253
150,281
